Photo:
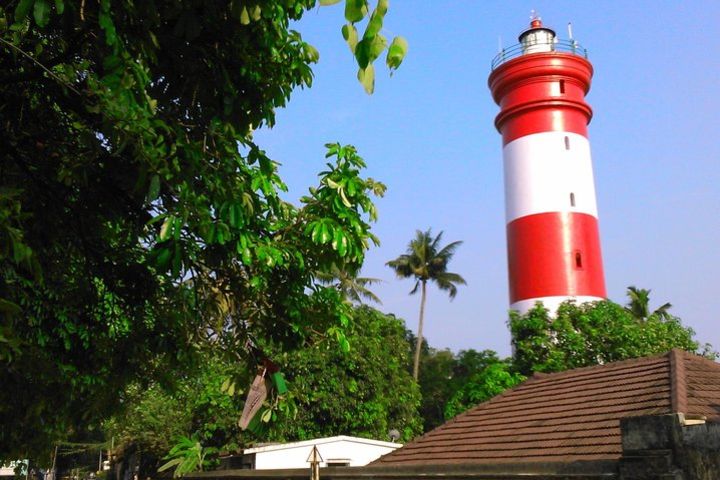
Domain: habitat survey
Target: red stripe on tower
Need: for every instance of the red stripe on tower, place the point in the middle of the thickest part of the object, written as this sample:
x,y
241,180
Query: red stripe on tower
x,y
550,207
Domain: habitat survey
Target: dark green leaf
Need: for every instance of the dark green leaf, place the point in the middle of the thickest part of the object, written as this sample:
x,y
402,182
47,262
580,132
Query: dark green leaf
x,y
154,189
374,25
41,12
23,9
9,307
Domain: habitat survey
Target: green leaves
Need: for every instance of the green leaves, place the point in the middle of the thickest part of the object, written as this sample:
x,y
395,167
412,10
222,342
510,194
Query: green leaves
x,y
355,10
359,385
588,334
396,53
41,12
23,9
187,456
482,385
153,189
40,8
350,34
366,77
373,43
134,181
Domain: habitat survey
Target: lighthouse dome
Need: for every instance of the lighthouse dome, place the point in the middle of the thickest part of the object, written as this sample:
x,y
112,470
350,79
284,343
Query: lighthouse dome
x,y
537,38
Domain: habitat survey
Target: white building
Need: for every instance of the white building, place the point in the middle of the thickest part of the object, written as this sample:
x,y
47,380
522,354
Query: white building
x,y
340,451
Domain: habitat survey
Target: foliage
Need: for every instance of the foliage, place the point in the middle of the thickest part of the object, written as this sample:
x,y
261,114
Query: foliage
x,y
436,385
199,407
368,48
351,287
443,375
138,219
482,386
187,456
639,305
426,261
365,392
590,334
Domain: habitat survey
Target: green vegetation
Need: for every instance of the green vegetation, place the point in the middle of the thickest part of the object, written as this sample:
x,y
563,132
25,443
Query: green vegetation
x,y
591,334
365,392
639,305
443,375
578,336
481,386
149,266
425,261
139,222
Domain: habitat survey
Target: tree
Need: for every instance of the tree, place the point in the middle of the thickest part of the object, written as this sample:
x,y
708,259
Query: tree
x,y
202,410
135,207
482,385
426,261
639,305
590,334
437,385
443,375
351,287
365,392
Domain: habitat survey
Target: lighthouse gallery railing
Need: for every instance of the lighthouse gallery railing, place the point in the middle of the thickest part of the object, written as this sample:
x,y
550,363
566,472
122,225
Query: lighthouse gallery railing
x,y
564,46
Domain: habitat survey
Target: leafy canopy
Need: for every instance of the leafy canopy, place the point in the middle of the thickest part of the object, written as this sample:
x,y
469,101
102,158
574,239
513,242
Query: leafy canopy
x,y
426,260
484,384
139,222
590,334
365,392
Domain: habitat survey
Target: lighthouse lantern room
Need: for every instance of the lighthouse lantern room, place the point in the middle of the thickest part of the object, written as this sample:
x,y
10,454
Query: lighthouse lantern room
x,y
553,241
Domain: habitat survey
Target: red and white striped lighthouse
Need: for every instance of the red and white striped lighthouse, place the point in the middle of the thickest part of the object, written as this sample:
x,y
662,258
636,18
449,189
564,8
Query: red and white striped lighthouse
x,y
553,241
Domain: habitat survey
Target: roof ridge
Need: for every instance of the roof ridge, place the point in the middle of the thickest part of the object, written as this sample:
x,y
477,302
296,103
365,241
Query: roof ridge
x,y
678,381
615,363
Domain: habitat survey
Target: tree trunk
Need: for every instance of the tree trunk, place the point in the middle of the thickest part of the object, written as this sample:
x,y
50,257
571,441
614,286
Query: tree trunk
x,y
418,345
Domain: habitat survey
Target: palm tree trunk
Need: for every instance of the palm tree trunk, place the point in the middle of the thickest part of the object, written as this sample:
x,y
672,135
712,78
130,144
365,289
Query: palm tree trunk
x,y
418,345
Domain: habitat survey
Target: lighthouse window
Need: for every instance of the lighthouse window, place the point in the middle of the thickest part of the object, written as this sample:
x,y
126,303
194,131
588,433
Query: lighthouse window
x,y
562,86
578,260
567,142
572,199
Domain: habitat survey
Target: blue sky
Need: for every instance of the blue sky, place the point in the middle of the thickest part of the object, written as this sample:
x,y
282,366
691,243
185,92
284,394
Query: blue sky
x,y
428,134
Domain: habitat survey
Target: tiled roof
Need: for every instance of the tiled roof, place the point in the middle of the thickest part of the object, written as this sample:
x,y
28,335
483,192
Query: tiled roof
x,y
570,416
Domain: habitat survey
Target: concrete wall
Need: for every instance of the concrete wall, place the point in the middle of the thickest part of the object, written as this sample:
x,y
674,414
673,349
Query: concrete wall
x,y
669,447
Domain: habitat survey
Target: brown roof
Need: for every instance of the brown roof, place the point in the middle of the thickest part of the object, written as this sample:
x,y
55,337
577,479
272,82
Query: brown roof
x,y
570,416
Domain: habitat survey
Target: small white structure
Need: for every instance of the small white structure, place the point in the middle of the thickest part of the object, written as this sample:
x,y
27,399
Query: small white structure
x,y
340,451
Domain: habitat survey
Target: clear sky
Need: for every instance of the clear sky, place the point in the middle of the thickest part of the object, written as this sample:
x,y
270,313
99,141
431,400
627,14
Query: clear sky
x,y
428,134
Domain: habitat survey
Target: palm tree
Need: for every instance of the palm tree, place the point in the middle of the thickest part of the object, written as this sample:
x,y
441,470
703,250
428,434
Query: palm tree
x,y
349,285
424,261
639,305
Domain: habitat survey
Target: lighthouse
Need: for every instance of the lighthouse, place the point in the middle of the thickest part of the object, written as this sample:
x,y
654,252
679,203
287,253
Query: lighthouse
x,y
553,241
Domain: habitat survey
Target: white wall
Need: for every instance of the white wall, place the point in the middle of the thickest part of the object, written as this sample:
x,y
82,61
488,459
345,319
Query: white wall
x,y
358,452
